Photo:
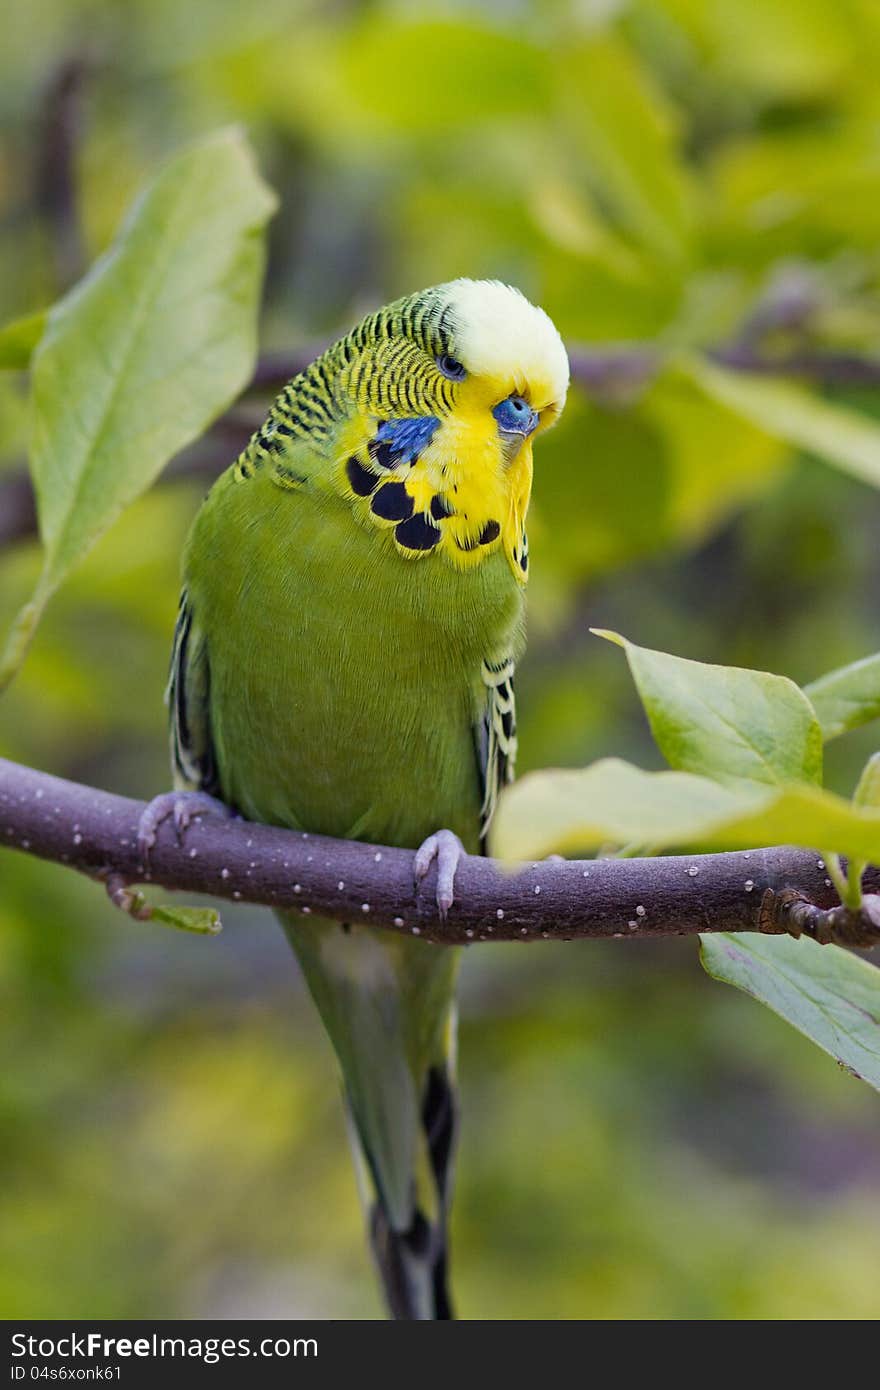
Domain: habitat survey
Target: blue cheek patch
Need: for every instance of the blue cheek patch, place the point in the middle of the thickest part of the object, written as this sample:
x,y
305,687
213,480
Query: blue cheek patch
x,y
402,441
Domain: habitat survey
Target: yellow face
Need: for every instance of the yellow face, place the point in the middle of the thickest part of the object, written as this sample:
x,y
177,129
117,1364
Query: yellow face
x,y
478,397
446,418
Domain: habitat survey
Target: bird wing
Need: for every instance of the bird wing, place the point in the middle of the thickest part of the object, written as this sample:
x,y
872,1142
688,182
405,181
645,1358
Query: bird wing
x,y
496,737
188,698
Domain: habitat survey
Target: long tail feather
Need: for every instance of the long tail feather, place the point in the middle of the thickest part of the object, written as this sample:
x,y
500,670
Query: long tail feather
x,y
413,1264
387,1005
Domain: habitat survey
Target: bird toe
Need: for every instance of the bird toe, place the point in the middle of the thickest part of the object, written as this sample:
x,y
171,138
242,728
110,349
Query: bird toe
x,y
180,807
447,849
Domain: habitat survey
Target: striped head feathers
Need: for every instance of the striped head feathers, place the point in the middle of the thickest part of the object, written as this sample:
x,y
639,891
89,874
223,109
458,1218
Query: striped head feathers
x,y
427,411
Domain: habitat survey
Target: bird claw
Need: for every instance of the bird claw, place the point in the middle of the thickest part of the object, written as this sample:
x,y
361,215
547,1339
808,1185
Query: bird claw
x,y
181,807
447,849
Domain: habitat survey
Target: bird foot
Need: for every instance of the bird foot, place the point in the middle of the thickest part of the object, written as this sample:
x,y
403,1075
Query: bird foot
x,y
447,849
181,807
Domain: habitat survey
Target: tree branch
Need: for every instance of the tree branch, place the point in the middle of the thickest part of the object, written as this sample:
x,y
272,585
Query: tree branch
x,y
55,171
95,832
18,510
824,368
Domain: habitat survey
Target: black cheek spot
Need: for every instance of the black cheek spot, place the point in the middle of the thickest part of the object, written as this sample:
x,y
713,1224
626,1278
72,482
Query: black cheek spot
x,y
383,454
440,508
490,532
507,723
362,481
392,502
524,563
417,533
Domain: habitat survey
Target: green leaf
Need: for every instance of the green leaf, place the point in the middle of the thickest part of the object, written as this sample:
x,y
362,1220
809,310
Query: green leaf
x,y
568,810
18,340
628,136
477,73
203,920
867,793
836,434
725,722
848,697
565,810
829,995
745,461
142,355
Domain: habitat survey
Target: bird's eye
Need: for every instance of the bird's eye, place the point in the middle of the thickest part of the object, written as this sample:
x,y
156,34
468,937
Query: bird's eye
x,y
451,367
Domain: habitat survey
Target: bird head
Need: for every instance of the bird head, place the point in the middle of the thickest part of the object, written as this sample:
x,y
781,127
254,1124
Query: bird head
x,y
505,359
444,392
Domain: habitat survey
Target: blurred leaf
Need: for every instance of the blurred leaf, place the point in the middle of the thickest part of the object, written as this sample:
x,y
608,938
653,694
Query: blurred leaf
x,y
846,698
723,721
564,810
18,340
829,995
388,79
682,462
588,518
802,191
437,76
781,48
141,356
628,136
834,433
867,793
717,460
571,221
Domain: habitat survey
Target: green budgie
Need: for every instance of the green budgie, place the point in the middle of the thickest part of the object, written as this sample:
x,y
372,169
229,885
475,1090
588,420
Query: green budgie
x,y
352,610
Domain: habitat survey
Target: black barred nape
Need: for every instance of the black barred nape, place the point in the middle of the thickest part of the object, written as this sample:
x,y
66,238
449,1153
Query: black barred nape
x,y
386,364
423,318
385,368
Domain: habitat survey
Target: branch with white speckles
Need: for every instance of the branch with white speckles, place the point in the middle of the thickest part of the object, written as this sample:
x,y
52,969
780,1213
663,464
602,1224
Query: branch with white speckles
x,y
95,832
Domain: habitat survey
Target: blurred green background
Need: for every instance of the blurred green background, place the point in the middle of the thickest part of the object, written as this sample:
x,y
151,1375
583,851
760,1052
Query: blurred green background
x,y
637,1142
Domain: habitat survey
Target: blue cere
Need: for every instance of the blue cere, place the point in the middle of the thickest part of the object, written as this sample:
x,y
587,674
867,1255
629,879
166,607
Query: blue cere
x,y
407,438
515,416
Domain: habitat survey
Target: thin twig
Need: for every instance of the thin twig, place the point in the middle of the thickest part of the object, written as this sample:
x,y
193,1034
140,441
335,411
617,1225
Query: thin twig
x,y
95,832
18,512
822,368
55,174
